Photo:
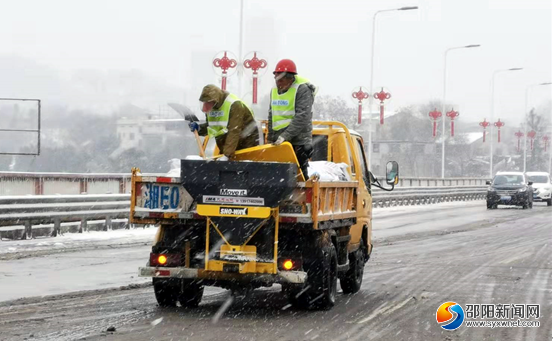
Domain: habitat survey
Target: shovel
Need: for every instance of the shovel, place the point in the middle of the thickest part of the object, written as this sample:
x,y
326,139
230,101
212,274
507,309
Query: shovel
x,y
189,116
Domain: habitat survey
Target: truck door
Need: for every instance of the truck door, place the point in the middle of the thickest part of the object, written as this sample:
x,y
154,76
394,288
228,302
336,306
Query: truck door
x,y
365,201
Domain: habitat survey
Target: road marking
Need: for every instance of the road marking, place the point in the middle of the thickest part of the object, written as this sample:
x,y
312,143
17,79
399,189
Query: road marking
x,y
386,311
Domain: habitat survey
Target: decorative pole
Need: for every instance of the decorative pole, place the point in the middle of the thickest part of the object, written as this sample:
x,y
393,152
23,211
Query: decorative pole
x,y
519,134
499,124
434,117
545,142
255,64
532,136
382,96
452,115
360,96
484,125
224,63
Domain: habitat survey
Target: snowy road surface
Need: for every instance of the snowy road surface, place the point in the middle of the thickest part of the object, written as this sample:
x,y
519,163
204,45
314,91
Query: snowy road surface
x,y
424,256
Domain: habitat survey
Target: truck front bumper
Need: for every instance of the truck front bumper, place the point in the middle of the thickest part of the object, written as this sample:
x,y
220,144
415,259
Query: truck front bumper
x,y
292,277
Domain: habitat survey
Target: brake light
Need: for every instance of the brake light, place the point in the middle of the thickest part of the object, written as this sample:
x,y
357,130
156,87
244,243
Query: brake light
x,y
288,264
289,220
166,259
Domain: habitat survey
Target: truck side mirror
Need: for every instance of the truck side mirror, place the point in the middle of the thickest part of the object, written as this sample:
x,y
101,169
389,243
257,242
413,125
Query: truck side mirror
x,y
392,173
530,183
488,182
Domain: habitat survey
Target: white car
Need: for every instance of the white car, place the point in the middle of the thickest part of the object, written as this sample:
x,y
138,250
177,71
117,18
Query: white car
x,y
542,186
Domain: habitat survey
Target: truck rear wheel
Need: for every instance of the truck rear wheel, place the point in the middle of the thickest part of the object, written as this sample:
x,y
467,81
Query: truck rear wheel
x,y
166,292
322,282
191,294
351,282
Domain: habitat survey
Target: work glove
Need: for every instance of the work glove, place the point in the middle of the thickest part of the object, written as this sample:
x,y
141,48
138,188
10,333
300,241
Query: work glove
x,y
223,158
194,126
279,141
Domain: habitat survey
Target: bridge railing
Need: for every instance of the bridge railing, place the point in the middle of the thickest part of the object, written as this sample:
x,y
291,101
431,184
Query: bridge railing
x,y
19,183
33,211
20,215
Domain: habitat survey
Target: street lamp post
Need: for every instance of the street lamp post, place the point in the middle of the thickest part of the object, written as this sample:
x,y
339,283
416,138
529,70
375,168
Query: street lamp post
x,y
492,112
443,99
240,44
372,72
526,119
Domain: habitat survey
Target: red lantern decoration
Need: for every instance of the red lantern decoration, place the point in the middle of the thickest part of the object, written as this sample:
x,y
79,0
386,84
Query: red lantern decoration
x,y
499,124
484,125
224,63
532,136
382,96
519,134
360,96
545,142
434,117
255,64
452,115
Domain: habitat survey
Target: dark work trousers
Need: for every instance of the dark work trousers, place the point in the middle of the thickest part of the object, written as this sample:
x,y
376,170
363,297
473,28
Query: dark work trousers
x,y
303,153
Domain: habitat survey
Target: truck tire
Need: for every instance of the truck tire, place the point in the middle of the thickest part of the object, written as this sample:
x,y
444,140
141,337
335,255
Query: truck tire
x,y
549,202
191,294
351,282
322,282
166,293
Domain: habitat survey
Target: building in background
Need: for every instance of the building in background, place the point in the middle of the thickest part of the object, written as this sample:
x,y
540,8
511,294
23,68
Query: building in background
x,y
150,132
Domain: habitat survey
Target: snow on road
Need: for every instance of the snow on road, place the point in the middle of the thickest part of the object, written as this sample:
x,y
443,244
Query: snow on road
x,y
423,257
95,260
71,241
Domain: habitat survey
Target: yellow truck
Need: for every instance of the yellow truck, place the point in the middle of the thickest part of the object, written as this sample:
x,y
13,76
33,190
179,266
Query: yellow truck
x,y
256,220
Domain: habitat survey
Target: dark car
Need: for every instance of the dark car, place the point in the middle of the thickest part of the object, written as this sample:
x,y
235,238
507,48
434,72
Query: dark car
x,y
509,188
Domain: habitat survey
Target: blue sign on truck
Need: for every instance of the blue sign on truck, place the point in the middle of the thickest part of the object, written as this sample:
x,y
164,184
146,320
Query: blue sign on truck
x,y
161,196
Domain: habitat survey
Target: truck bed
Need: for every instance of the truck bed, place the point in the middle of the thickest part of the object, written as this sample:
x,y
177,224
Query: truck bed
x,y
156,198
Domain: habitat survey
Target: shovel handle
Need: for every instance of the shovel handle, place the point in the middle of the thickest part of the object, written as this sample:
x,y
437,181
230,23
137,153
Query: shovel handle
x,y
199,142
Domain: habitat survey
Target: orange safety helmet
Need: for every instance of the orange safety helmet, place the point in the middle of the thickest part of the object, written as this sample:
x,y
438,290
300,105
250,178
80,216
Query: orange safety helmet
x,y
286,65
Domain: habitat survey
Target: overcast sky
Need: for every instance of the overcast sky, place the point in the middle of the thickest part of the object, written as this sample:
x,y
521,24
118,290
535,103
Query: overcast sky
x,y
329,41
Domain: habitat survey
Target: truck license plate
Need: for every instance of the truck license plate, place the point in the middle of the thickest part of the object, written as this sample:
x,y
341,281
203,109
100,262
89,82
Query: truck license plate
x,y
162,196
505,197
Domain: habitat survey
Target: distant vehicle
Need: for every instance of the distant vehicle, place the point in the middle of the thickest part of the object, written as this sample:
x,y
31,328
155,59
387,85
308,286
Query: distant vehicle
x,y
541,186
510,188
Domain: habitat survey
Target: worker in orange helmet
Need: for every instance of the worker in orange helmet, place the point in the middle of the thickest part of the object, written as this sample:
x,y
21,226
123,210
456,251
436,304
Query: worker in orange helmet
x,y
291,112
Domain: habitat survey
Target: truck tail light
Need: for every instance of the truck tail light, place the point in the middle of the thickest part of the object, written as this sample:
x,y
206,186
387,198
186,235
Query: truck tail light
x,y
166,259
288,264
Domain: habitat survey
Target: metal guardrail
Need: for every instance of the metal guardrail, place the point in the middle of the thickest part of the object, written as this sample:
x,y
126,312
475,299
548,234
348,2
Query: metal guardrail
x,y
28,183
57,209
427,195
440,182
